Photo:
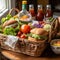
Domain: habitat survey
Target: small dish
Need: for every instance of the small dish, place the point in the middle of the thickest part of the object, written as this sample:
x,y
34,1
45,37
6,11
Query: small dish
x,y
55,45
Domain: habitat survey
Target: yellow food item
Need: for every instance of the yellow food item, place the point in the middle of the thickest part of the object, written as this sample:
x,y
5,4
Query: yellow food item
x,y
24,17
56,43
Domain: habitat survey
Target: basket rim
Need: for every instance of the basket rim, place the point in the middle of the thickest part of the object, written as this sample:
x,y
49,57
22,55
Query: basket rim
x,y
26,40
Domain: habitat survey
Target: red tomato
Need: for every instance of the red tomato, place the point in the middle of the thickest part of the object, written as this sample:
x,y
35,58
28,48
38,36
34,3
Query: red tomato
x,y
25,28
23,36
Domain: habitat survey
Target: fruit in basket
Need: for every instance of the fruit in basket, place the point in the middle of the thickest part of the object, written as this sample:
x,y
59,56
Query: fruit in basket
x,y
25,28
38,34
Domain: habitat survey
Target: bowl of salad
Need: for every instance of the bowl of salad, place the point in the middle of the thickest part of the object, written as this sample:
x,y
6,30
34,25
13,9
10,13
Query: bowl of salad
x,y
55,45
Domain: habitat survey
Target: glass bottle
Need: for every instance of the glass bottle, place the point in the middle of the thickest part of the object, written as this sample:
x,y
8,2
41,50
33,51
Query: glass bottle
x,y
24,15
40,14
48,11
32,12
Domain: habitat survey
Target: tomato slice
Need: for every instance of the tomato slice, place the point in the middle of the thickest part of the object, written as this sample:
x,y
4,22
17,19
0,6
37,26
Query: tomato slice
x,y
25,28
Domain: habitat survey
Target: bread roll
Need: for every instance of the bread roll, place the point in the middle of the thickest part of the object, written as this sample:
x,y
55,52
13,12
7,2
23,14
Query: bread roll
x,y
39,31
9,22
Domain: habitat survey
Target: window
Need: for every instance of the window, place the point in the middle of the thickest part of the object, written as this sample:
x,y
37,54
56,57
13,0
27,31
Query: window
x,y
5,5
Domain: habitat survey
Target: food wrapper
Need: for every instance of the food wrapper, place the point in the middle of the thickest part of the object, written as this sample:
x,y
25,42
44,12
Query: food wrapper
x,y
9,42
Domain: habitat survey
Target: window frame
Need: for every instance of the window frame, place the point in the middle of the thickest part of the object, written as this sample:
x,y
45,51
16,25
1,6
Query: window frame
x,y
9,4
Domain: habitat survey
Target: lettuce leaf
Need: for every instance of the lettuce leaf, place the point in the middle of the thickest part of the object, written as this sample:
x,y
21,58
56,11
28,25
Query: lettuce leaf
x,y
37,36
9,31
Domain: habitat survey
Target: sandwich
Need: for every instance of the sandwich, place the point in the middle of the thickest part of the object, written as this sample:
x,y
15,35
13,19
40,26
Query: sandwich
x,y
38,34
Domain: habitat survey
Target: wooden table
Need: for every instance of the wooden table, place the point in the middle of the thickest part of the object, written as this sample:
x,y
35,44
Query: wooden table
x,y
47,55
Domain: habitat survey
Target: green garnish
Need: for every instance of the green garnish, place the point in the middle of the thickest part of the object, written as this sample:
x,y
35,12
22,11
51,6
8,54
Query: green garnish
x,y
9,31
37,36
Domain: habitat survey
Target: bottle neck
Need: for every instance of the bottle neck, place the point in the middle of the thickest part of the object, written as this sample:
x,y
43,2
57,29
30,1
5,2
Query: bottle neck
x,y
24,6
48,7
31,7
40,9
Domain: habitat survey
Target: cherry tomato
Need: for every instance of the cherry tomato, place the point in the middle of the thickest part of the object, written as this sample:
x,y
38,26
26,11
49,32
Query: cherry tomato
x,y
23,36
19,33
25,28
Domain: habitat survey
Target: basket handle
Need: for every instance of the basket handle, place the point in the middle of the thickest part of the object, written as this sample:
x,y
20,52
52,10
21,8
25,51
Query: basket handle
x,y
13,9
54,26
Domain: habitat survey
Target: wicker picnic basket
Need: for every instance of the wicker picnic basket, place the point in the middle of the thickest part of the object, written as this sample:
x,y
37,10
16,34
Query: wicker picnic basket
x,y
37,48
28,47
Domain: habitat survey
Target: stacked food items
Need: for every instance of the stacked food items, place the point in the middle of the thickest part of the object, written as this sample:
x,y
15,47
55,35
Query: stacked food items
x,y
25,30
23,26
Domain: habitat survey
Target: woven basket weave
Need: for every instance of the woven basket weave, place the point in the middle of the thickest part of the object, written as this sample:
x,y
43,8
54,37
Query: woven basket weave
x,y
29,47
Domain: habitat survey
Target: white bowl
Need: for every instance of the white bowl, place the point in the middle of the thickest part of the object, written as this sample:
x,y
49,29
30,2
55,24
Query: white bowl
x,y
56,49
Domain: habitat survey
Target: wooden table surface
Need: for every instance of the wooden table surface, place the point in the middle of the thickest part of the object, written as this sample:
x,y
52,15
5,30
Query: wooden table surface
x,y
46,55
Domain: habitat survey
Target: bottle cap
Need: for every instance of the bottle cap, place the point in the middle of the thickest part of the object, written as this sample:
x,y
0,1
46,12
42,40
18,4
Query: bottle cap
x,y
31,5
48,6
24,2
40,7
